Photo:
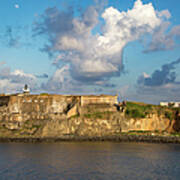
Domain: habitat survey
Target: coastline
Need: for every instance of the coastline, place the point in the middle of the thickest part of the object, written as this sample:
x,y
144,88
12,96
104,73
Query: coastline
x,y
56,118
121,138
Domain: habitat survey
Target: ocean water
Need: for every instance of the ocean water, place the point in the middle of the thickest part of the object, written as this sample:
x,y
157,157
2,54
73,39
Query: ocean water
x,y
89,161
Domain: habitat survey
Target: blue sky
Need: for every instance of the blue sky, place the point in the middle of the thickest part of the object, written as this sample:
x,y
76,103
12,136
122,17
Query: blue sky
x,y
92,47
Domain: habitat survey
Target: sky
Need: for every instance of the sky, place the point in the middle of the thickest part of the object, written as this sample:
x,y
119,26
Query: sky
x,y
125,47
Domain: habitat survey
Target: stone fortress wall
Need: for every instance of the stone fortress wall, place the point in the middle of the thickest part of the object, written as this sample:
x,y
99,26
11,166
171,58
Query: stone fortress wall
x,y
101,99
39,104
51,103
20,106
62,115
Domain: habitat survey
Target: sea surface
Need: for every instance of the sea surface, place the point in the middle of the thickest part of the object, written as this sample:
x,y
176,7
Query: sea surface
x,y
89,161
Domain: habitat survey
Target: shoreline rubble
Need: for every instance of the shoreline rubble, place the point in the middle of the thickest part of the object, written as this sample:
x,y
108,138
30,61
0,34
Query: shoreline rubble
x,y
121,138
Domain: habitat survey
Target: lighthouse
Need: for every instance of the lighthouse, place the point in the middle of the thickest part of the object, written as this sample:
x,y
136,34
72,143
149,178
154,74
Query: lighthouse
x,y
26,89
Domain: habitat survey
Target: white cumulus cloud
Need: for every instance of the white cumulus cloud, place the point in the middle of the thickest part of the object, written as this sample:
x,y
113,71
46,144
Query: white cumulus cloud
x,y
14,81
94,58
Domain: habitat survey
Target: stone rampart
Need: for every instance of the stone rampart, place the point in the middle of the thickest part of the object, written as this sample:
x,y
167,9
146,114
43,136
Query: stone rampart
x,y
22,104
43,105
64,116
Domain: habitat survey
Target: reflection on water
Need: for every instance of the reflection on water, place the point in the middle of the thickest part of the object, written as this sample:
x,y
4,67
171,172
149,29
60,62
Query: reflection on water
x,y
71,161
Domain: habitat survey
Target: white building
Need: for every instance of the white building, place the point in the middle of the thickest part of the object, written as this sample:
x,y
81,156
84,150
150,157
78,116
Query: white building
x,y
164,103
174,104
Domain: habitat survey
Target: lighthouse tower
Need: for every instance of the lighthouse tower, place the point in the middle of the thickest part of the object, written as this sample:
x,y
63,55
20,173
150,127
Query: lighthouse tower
x,y
26,89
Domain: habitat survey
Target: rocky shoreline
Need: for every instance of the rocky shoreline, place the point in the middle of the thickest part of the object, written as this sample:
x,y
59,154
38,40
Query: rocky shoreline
x,y
121,138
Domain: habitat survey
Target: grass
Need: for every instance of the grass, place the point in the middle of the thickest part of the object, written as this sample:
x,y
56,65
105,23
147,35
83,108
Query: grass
x,y
139,131
175,134
138,110
75,116
97,115
176,108
36,126
44,94
169,115
94,115
141,110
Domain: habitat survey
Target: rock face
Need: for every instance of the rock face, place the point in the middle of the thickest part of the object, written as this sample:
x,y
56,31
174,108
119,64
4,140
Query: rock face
x,y
65,116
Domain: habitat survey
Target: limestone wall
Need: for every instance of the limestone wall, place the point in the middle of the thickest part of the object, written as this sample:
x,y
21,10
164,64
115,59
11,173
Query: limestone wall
x,y
106,124
51,103
101,99
39,104
26,107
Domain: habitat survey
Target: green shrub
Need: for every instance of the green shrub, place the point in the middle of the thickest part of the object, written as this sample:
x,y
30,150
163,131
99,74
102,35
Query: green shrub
x,y
94,115
168,115
135,113
137,110
139,131
127,112
75,116
175,134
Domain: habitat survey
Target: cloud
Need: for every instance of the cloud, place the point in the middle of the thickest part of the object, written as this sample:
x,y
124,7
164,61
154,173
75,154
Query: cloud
x,y
42,76
163,38
61,80
155,94
58,80
11,37
165,14
13,82
160,77
16,6
16,36
2,63
160,86
94,58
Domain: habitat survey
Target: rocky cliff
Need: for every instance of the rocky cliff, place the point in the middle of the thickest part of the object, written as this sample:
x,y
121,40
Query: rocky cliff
x,y
63,116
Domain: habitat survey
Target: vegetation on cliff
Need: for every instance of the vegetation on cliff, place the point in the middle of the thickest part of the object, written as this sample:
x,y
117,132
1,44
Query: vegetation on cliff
x,y
138,110
141,110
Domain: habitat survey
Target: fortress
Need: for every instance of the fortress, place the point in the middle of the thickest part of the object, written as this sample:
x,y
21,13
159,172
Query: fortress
x,y
65,116
46,103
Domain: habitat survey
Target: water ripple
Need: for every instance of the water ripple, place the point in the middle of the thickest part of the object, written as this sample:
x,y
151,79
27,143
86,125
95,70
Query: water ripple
x,y
89,161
